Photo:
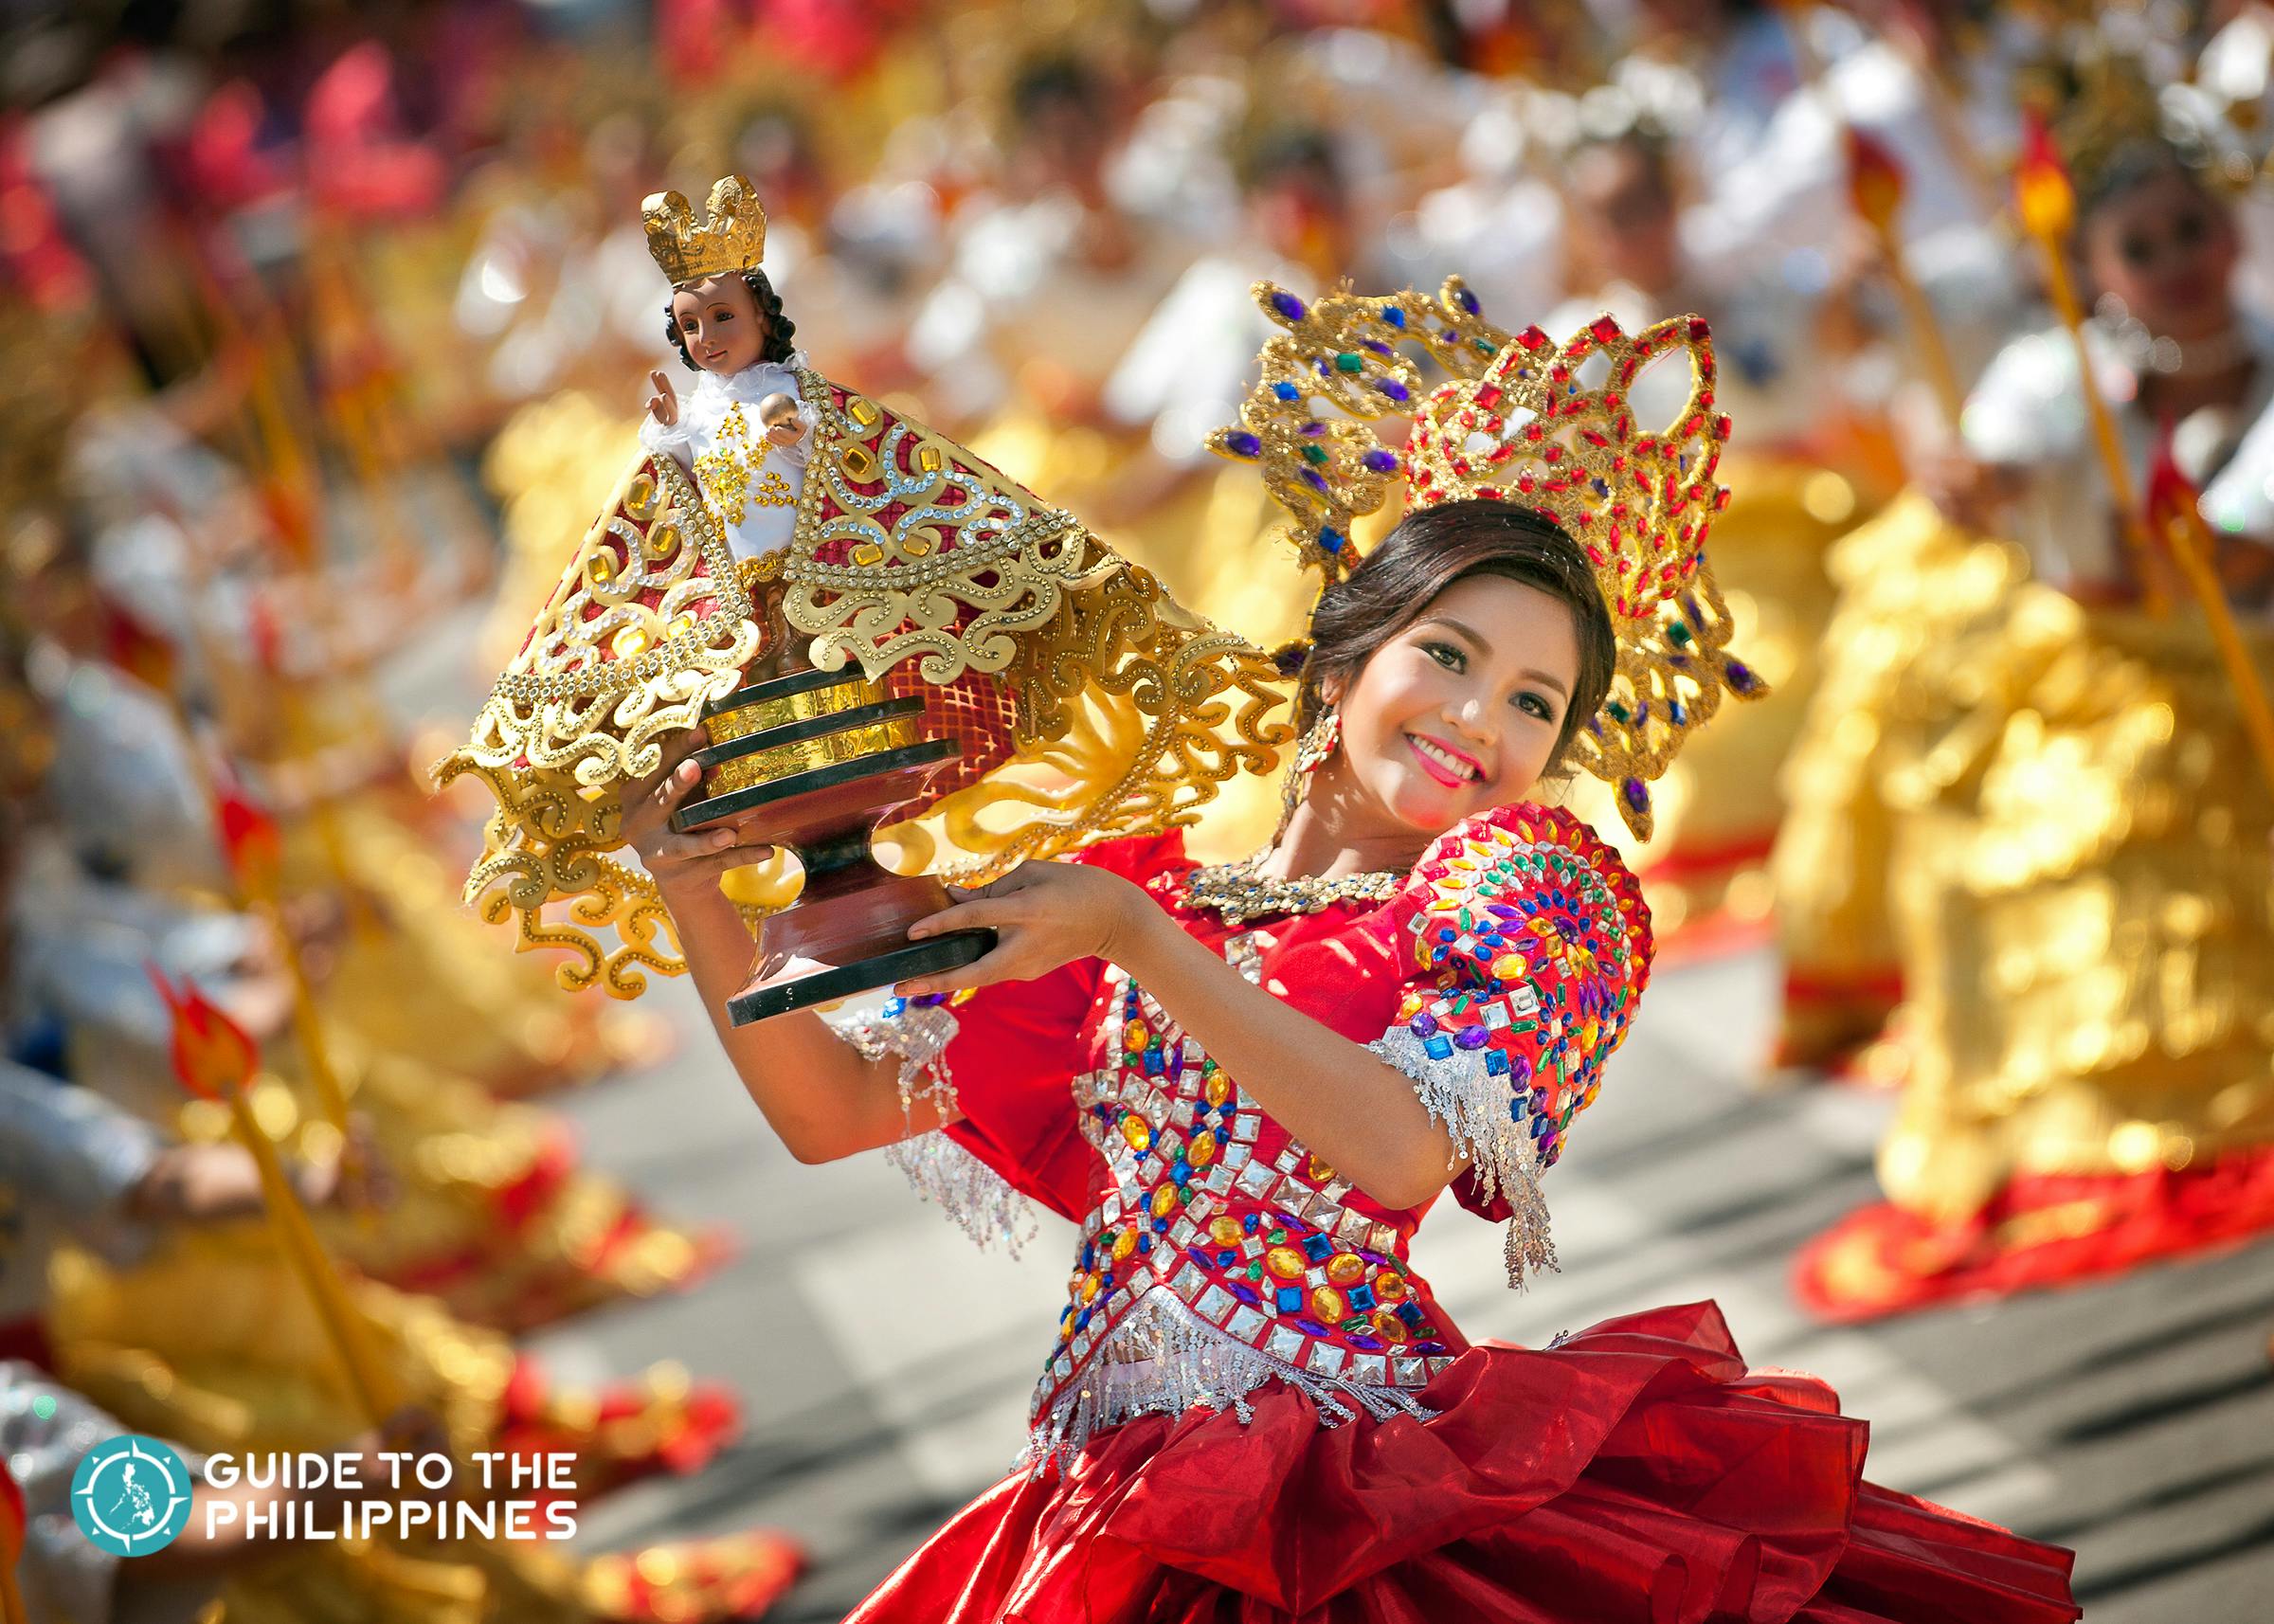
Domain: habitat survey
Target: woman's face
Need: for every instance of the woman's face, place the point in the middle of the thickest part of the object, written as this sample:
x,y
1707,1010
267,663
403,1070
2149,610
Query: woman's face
x,y
2169,252
721,322
1457,714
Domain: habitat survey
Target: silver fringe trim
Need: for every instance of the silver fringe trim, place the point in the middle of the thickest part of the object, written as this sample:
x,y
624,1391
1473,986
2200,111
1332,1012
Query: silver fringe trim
x,y
1472,1106
1164,1358
979,1199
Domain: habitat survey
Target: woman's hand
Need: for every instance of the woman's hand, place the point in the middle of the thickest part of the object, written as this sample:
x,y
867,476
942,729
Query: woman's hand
x,y
663,405
673,859
1045,914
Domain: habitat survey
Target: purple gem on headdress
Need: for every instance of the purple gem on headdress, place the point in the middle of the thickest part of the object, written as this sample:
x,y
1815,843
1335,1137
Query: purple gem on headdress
x,y
1243,444
1468,301
1637,797
1602,487
1332,540
1381,462
1471,1038
927,1001
1287,304
1393,389
1423,1025
1313,428
1287,391
1676,714
1316,480
1741,676
1377,346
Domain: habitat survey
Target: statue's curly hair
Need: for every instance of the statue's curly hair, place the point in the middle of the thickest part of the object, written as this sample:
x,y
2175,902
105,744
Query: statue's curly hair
x,y
781,332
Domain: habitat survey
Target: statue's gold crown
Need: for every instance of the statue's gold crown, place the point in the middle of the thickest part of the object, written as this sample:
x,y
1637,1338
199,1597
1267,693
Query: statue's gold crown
x,y
732,239
1529,421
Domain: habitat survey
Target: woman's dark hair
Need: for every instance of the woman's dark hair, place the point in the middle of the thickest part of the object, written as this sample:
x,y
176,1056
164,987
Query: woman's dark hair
x,y
2131,165
1428,551
780,330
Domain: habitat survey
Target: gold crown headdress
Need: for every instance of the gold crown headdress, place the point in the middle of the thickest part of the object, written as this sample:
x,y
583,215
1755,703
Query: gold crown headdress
x,y
1529,421
731,238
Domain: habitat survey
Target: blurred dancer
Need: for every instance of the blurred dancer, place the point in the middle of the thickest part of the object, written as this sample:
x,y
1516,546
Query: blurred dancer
x,y
2078,875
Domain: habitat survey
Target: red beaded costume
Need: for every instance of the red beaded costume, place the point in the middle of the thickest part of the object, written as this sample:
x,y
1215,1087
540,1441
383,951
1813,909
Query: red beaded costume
x,y
1255,1410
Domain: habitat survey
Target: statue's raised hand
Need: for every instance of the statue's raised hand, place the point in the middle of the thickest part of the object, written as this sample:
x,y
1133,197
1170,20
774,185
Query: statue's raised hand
x,y
663,405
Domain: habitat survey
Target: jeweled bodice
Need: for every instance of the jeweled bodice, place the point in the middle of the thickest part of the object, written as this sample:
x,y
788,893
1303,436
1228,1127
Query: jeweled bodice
x,y
1220,1253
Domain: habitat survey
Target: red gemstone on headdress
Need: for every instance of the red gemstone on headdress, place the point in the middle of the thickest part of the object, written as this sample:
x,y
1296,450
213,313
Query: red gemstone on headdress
x,y
1533,432
1721,500
1553,454
1488,492
1526,484
1532,339
1559,374
1603,328
1698,329
1488,394
1706,397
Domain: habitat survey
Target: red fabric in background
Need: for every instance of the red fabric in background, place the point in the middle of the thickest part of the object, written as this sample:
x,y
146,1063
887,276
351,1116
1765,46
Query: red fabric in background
x,y
1637,1471
1883,1260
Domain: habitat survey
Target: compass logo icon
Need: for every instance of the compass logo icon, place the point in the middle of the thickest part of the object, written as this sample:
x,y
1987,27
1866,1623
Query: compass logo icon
x,y
131,1496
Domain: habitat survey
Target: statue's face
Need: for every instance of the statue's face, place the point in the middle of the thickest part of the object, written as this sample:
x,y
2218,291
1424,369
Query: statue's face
x,y
721,322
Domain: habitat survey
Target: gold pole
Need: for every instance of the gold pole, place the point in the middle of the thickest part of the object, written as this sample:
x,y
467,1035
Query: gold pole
x,y
2046,203
374,1386
1926,333
2193,547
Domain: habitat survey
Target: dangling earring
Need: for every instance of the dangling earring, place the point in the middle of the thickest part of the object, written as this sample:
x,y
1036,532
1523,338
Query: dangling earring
x,y
1311,751
1320,743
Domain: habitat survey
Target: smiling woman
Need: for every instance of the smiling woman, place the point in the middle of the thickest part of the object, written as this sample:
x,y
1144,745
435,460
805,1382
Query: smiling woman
x,y
1457,664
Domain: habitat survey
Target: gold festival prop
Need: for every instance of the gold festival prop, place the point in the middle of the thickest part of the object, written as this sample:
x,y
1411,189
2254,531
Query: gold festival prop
x,y
2175,514
1875,189
1529,421
2047,201
214,1060
949,652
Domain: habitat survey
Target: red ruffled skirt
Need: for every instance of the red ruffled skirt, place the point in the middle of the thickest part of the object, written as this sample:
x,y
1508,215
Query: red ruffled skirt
x,y
1638,1471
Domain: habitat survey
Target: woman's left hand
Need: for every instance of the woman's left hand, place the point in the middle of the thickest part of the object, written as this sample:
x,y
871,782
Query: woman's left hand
x,y
1045,914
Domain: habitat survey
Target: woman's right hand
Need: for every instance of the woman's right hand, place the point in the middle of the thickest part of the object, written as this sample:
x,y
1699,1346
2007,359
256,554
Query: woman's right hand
x,y
663,405
673,859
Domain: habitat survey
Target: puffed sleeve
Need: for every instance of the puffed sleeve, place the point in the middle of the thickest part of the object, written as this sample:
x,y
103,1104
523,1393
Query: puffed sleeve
x,y
1526,945
999,1061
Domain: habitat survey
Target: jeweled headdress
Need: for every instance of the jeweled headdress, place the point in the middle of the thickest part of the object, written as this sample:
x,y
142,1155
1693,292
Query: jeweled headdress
x,y
733,238
1529,421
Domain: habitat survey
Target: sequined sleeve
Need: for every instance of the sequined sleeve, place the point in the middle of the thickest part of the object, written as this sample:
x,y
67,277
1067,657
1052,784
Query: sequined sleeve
x,y
1528,945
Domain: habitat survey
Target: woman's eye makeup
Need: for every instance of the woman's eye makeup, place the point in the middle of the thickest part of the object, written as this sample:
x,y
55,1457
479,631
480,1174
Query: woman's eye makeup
x,y
1453,659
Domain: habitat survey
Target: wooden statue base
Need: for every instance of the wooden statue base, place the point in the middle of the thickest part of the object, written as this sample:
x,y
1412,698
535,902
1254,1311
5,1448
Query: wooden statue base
x,y
847,932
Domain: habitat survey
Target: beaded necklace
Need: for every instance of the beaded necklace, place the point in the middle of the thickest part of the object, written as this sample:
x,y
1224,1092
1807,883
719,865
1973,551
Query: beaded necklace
x,y
1237,893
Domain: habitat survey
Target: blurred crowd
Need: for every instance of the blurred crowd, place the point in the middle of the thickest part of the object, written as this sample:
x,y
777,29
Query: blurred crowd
x,y
325,333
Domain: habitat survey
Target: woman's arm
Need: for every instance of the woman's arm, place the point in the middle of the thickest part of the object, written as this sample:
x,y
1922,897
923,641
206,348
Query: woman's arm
x,y
817,1092
1351,1107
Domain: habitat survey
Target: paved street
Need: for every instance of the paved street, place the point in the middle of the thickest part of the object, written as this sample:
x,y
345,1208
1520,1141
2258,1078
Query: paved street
x,y
885,1363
